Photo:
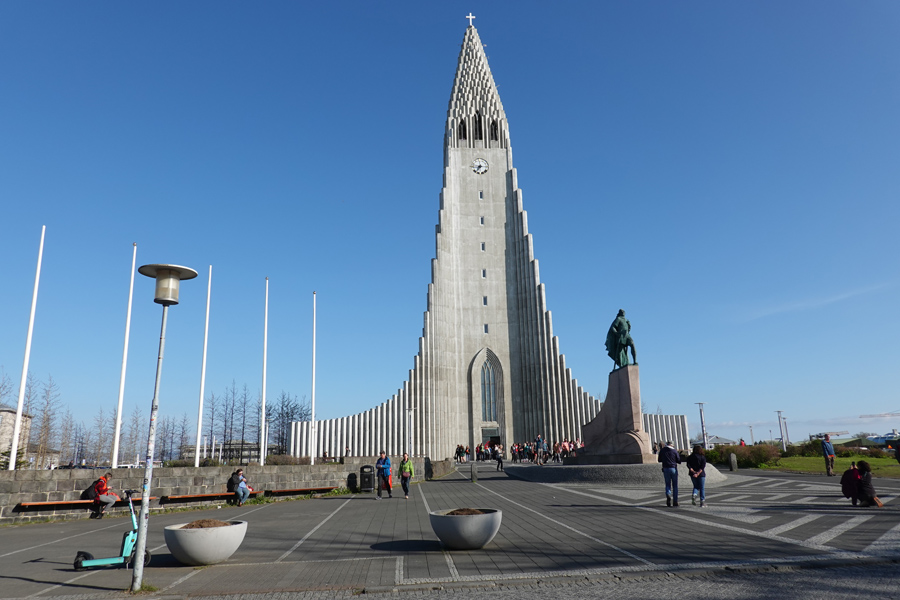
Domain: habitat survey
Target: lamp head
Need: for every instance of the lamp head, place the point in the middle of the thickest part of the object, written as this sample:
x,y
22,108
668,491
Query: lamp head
x,y
168,278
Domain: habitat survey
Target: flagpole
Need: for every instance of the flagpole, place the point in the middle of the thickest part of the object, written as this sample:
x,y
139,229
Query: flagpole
x,y
203,372
13,449
312,424
262,420
115,456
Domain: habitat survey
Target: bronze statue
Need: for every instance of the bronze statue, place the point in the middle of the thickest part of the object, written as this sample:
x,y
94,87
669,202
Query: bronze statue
x,y
618,341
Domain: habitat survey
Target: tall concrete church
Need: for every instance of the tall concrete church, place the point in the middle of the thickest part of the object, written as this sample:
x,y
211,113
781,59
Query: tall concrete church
x,y
489,368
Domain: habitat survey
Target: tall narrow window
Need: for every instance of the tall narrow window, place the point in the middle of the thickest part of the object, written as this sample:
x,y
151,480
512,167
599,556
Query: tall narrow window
x,y
484,273
481,194
461,130
495,131
488,392
485,327
482,246
482,220
484,300
478,127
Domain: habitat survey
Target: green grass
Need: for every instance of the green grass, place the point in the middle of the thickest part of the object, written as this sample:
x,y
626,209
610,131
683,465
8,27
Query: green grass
x,y
886,468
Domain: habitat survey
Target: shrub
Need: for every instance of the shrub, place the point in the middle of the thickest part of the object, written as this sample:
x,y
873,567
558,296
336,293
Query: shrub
x,y
808,448
877,453
748,457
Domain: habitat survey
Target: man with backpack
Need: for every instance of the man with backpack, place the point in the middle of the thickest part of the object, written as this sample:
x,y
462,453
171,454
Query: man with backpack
x,y
102,496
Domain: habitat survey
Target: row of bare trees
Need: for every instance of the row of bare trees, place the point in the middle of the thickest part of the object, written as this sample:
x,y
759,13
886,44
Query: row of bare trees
x,y
56,437
234,417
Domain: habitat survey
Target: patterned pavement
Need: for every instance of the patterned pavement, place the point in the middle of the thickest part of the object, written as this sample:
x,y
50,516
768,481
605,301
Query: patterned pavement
x,y
759,527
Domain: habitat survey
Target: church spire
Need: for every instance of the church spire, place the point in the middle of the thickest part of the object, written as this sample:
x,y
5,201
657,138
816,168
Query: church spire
x,y
475,116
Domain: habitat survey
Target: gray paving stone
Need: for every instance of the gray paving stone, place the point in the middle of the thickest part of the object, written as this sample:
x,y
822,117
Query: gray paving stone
x,y
580,539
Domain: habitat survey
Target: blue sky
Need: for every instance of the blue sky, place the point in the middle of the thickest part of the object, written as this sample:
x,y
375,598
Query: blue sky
x,y
725,172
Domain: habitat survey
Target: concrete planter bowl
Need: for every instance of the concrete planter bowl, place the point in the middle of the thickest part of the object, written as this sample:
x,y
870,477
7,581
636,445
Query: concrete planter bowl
x,y
466,532
206,546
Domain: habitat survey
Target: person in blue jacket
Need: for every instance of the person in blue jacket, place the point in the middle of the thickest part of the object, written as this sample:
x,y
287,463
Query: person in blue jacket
x,y
828,453
383,470
670,460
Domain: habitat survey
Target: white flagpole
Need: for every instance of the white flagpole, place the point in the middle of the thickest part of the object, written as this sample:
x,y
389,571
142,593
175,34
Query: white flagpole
x,y
115,456
262,420
203,372
312,418
13,449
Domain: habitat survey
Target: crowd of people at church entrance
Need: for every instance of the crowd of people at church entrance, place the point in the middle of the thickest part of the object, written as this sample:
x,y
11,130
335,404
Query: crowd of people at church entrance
x,y
538,452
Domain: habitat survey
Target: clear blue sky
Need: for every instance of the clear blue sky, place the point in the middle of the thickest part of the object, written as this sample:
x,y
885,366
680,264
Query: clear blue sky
x,y
725,172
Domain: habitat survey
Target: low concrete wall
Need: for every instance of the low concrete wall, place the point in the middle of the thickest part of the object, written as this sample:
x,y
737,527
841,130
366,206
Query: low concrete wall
x,y
67,484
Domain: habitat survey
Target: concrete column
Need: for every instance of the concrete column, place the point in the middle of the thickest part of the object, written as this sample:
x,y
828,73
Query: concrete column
x,y
304,449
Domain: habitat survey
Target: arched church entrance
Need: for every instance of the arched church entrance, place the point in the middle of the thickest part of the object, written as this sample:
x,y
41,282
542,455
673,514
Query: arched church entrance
x,y
486,399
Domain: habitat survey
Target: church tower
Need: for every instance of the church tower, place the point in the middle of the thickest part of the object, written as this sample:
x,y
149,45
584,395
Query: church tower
x,y
488,368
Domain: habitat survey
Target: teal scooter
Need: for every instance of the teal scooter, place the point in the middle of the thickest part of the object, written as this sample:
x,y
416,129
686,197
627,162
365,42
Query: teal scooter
x,y
86,560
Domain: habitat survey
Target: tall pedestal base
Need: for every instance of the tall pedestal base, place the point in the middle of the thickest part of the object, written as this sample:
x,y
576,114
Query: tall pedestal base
x,y
616,435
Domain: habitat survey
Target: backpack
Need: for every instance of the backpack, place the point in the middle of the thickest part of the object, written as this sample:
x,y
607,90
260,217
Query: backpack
x,y
91,492
233,482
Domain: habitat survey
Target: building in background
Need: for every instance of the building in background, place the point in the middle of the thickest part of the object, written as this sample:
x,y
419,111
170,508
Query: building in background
x,y
489,369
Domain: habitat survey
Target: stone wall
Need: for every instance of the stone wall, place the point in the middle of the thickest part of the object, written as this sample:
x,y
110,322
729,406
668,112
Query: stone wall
x,y
67,484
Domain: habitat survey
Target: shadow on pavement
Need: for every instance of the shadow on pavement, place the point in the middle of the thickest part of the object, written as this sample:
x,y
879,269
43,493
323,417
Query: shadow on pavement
x,y
408,546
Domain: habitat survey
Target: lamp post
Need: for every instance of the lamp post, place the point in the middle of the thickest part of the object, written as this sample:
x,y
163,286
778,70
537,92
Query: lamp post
x,y
752,442
168,279
781,431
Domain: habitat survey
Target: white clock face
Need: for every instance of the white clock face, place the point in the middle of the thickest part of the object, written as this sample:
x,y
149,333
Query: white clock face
x,y
480,166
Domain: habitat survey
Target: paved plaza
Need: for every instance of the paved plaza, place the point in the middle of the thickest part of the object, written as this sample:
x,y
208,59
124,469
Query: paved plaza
x,y
760,533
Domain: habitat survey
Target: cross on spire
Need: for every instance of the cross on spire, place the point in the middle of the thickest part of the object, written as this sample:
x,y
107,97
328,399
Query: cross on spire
x,y
470,17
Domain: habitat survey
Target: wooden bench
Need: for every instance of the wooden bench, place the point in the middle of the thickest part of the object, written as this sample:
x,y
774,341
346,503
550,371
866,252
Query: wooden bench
x,y
299,492
62,504
193,497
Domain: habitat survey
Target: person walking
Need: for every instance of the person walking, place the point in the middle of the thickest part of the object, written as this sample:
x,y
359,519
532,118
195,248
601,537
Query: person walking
x,y
696,464
670,460
103,496
828,453
406,472
498,456
383,469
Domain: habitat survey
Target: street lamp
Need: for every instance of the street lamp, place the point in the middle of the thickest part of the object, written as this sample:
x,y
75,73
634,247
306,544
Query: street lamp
x,y
168,279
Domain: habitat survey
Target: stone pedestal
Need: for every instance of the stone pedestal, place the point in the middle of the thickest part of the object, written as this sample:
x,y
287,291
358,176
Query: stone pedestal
x,y
616,435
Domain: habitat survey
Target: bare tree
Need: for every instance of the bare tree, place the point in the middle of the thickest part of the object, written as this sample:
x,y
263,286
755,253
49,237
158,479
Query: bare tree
x,y
99,444
5,386
28,404
136,428
213,409
229,404
286,410
111,424
79,443
66,438
184,435
47,412
243,408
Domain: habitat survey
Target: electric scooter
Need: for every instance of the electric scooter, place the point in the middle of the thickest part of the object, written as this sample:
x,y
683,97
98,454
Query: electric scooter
x,y
86,560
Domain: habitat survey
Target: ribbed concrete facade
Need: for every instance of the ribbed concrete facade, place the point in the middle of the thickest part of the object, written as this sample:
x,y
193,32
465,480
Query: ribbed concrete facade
x,y
488,366
668,428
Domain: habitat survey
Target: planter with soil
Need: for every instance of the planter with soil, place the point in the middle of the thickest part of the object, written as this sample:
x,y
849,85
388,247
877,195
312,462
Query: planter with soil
x,y
466,528
205,542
